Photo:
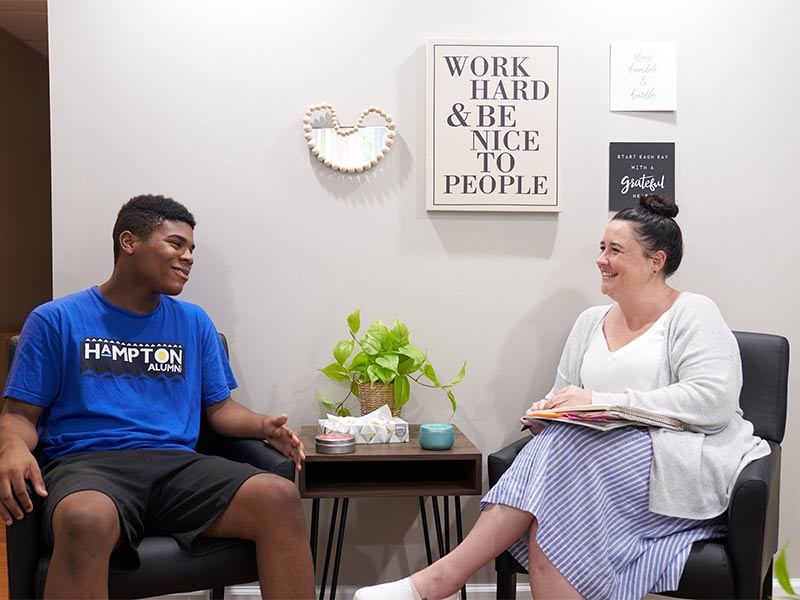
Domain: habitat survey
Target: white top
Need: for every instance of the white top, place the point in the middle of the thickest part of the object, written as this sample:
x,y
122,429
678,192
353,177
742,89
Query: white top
x,y
634,366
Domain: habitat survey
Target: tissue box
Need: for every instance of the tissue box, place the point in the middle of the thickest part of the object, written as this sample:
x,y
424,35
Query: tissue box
x,y
378,427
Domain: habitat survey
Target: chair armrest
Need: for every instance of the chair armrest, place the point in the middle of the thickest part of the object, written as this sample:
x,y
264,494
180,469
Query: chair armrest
x,y
24,546
499,462
753,521
257,453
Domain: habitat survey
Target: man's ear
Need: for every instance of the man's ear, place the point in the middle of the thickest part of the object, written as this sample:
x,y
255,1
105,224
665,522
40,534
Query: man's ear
x,y
127,242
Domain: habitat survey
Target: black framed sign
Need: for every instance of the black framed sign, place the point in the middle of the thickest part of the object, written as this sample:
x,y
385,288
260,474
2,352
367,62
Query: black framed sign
x,y
492,126
637,169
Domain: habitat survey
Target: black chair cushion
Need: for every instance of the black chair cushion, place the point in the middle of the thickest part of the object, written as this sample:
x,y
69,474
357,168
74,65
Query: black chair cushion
x,y
765,371
708,573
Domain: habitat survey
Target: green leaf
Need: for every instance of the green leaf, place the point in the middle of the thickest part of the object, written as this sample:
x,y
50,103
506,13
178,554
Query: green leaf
x,y
354,321
378,327
354,388
376,372
327,403
390,361
377,337
452,397
336,372
782,573
413,352
398,335
430,374
402,390
371,345
407,366
343,350
457,379
360,362
343,412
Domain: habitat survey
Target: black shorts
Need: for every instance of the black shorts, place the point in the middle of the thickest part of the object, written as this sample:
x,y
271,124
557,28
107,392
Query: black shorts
x,y
156,492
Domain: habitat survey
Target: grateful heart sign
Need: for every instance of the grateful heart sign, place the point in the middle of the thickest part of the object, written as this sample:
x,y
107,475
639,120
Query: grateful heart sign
x,y
492,126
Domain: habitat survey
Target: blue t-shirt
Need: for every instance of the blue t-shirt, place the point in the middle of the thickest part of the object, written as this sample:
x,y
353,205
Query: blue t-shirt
x,y
110,379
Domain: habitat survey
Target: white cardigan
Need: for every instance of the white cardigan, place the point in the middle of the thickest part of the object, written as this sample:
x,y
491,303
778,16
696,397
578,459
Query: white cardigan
x,y
692,472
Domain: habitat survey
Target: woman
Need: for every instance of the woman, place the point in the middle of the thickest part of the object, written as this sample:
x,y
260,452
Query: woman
x,y
614,514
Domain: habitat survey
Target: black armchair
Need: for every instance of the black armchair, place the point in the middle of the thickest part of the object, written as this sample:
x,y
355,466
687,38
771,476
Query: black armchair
x,y
740,565
165,567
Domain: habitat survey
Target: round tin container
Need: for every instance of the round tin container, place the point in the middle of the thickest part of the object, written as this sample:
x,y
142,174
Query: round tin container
x,y
335,443
436,436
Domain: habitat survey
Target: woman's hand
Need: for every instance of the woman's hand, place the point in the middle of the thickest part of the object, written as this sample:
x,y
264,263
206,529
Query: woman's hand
x,y
571,395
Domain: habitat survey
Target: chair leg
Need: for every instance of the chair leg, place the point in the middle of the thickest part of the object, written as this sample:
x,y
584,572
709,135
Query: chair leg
x,y
218,593
506,585
766,588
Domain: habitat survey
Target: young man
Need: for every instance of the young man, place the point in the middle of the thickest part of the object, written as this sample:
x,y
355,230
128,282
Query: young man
x,y
111,381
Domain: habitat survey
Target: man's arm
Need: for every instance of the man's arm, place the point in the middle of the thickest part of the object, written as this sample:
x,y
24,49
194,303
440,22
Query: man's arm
x,y
231,419
18,438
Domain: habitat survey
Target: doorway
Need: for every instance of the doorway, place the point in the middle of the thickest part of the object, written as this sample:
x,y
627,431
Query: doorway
x,y
26,265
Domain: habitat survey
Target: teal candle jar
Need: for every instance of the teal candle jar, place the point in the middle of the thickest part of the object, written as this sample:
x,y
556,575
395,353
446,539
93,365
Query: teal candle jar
x,y
436,436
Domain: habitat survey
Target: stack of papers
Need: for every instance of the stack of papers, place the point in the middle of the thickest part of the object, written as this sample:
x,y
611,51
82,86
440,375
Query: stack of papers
x,y
604,417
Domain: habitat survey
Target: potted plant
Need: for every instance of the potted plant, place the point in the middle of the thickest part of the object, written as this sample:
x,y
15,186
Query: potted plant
x,y
380,366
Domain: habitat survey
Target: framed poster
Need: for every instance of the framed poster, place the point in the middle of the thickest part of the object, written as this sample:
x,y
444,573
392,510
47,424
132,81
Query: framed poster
x,y
637,169
643,76
492,126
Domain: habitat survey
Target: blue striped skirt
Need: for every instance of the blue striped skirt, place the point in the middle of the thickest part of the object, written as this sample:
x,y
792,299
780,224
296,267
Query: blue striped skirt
x,y
589,492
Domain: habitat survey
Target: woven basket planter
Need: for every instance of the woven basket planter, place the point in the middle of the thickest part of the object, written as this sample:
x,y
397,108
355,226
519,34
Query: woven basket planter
x,y
375,395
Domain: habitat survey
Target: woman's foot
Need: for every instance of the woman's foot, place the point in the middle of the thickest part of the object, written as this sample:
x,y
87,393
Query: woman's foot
x,y
396,590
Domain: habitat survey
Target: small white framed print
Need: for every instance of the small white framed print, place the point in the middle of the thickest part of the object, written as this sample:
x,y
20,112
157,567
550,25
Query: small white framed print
x,y
643,76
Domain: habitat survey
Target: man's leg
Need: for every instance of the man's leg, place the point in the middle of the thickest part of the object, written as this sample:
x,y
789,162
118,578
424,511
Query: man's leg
x,y
85,531
266,509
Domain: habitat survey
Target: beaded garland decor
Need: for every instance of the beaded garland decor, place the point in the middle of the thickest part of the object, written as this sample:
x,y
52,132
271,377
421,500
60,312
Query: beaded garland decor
x,y
333,162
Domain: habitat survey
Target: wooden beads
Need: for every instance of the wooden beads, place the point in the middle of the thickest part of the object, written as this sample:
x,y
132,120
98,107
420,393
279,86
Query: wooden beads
x,y
348,131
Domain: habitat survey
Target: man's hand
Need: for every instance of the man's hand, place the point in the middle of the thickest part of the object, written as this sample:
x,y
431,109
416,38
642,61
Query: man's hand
x,y
229,418
17,465
284,439
571,395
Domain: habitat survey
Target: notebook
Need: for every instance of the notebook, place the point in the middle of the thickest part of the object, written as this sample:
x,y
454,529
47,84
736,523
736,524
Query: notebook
x,y
606,417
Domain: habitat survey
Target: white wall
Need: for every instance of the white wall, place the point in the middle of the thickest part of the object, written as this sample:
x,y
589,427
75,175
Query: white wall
x,y
203,101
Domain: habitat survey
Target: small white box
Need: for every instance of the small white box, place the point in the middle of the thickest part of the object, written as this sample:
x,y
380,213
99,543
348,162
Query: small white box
x,y
394,430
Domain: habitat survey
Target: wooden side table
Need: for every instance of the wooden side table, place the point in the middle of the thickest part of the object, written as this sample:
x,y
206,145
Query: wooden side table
x,y
383,470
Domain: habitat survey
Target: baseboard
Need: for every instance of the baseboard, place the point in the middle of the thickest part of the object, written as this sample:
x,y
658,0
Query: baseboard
x,y
475,591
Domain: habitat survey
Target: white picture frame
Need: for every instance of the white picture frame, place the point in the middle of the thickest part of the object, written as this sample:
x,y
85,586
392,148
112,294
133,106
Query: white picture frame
x,y
492,126
643,76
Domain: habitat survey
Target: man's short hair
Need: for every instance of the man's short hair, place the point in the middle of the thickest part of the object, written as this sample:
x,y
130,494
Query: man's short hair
x,y
141,215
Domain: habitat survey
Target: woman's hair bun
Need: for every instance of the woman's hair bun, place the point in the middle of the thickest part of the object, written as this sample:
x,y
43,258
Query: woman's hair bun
x,y
659,205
